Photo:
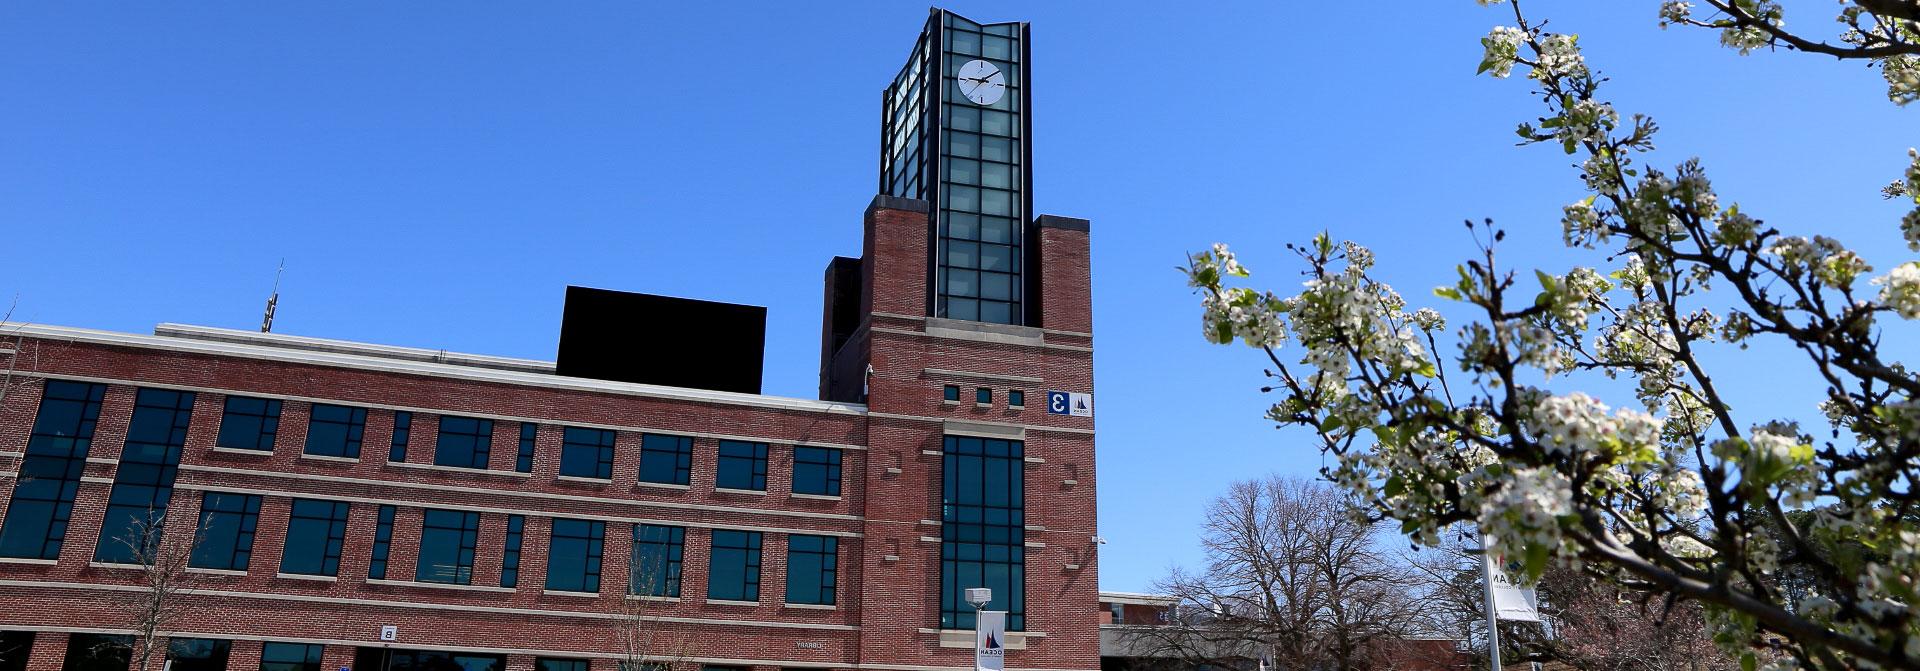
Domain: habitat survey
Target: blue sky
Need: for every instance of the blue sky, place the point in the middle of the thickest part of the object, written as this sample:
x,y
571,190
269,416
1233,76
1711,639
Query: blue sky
x,y
434,177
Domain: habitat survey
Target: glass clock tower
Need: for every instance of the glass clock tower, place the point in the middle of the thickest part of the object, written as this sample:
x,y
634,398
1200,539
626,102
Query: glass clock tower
x,y
953,133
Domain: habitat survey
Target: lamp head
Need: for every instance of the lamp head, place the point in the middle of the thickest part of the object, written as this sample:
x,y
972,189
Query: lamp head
x,y
979,597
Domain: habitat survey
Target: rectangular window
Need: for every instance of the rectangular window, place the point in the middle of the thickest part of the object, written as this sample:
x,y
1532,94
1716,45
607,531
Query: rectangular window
x,y
528,432
950,393
198,654
573,555
98,652
227,523
553,664
742,465
290,657
464,442
36,522
143,482
510,559
983,395
335,431
314,534
816,470
586,453
447,538
983,528
15,647
666,459
1016,398
733,571
402,431
382,543
249,423
811,563
656,560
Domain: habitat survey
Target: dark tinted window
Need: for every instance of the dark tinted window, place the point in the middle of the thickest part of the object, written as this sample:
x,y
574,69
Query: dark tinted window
x,y
950,392
742,465
811,564
227,523
552,664
529,433
983,395
510,559
734,571
666,459
143,482
36,522
98,652
402,434
446,547
382,543
314,534
816,470
249,423
983,528
290,657
335,431
656,560
587,453
464,442
1016,398
15,646
426,660
574,554
198,654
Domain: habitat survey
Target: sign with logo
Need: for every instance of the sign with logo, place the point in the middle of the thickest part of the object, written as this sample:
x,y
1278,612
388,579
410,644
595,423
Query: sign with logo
x,y
1510,602
389,633
1069,403
990,640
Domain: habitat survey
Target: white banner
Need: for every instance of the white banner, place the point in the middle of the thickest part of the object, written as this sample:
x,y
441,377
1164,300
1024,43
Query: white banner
x,y
990,640
1509,601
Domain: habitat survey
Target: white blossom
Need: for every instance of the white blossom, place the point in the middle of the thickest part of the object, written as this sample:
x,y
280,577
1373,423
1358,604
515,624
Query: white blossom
x,y
1900,289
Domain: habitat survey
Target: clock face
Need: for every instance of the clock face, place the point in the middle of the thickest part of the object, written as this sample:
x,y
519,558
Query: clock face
x,y
982,83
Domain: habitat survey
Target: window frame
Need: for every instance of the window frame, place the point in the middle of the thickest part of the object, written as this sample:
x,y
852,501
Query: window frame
x,y
353,435
259,437
49,473
653,448
529,435
402,435
728,468
672,546
470,439
510,552
587,452
830,466
825,558
591,536
143,478
311,655
466,536
334,517
749,547
239,553
382,542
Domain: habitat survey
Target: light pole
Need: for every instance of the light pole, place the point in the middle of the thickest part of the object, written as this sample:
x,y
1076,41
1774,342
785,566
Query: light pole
x,y
988,653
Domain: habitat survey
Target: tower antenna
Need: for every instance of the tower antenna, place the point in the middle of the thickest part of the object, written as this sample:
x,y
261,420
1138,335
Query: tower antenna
x,y
266,322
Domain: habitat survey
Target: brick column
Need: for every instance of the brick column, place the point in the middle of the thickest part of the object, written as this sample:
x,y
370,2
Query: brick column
x,y
1065,275
515,663
895,257
245,656
49,651
332,658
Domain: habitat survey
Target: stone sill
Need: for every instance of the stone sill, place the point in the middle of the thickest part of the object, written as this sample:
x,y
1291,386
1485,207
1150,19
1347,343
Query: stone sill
x,y
441,585
101,564
810,606
562,592
643,597
304,576
728,602
814,497
663,485
584,479
216,571
326,457
242,450
460,469
27,560
752,492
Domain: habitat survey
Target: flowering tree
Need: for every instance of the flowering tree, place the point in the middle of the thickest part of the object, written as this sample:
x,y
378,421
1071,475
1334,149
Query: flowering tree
x,y
1804,552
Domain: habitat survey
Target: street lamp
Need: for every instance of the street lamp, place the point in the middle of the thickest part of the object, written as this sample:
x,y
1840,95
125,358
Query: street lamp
x,y
979,597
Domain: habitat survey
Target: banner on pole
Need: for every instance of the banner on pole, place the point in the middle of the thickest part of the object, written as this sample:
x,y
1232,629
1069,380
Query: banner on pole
x,y
990,640
1510,601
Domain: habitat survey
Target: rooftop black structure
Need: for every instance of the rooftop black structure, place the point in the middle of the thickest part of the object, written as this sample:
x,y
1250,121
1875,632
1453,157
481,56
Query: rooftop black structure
x,y
663,340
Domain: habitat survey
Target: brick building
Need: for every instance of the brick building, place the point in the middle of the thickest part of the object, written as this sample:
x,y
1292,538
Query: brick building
x,y
491,514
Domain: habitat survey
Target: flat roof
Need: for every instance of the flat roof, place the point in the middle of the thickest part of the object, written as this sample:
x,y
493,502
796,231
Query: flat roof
x,y
401,360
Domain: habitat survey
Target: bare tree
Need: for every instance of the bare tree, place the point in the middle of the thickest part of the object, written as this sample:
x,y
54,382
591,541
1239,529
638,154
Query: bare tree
x,y
1291,577
637,633
163,579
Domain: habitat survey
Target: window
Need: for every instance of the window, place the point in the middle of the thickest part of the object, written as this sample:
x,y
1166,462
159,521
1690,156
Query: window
x,y
335,431
382,544
983,528
573,555
249,423
983,395
198,654
950,393
290,657
743,465
36,522
528,432
15,647
666,459
552,664
656,560
227,524
98,652
402,431
367,657
811,561
143,483
1016,398
586,453
446,547
314,534
733,572
464,442
510,559
816,470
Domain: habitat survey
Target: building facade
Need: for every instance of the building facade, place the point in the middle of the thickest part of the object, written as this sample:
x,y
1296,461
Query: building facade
x,y
346,505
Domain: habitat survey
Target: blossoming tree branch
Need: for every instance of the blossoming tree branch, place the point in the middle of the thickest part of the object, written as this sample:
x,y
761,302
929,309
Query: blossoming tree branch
x,y
1805,551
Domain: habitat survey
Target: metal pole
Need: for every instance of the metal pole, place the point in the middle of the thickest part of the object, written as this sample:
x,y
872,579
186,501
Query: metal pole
x,y
1493,614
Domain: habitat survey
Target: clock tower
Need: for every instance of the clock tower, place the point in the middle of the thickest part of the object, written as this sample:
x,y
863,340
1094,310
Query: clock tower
x,y
954,130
